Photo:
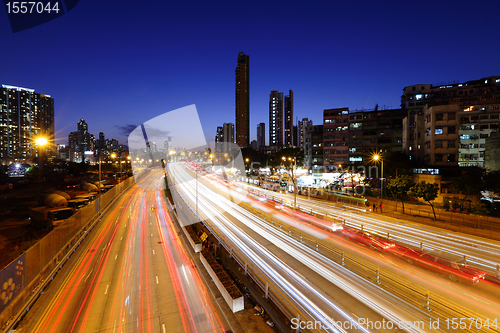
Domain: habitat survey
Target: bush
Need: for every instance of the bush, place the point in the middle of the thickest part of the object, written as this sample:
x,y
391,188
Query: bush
x,y
480,209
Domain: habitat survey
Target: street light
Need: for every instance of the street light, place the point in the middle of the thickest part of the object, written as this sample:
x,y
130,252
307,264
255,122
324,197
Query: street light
x,y
377,157
294,179
40,142
113,155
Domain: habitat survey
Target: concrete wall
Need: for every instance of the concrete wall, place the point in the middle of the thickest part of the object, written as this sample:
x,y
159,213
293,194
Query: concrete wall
x,y
236,304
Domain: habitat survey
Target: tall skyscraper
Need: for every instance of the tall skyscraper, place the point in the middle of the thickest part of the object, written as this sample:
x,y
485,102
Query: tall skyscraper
x,y
167,146
242,94
301,129
276,119
228,129
261,135
101,143
83,136
73,149
289,119
24,117
219,138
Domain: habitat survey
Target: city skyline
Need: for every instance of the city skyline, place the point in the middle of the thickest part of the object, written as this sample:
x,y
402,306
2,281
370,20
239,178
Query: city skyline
x,y
116,75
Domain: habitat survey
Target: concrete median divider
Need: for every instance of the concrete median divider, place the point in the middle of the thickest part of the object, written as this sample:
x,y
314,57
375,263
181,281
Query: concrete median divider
x,y
223,281
192,238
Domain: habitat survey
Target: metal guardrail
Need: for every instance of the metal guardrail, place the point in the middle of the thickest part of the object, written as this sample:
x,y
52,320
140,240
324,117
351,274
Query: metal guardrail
x,y
271,291
471,261
57,262
437,306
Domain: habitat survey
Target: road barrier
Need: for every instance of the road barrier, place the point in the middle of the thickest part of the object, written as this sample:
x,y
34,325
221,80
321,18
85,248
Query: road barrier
x,y
437,306
492,270
224,283
270,290
40,263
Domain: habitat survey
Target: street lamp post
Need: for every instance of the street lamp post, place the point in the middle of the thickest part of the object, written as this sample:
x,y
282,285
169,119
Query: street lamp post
x,y
119,162
197,216
294,179
99,183
377,157
40,143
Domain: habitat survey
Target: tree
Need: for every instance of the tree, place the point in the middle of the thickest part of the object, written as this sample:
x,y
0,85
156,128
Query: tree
x,y
492,182
470,182
427,191
399,187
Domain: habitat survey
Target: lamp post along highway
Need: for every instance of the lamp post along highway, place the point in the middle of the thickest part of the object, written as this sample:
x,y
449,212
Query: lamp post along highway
x,y
99,203
40,143
294,179
113,155
377,157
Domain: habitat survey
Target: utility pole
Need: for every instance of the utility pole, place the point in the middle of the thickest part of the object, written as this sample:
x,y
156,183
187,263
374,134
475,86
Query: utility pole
x,y
100,183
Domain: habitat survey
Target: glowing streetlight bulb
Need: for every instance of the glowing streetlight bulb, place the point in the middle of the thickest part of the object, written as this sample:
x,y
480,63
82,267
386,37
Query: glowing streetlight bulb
x,y
41,141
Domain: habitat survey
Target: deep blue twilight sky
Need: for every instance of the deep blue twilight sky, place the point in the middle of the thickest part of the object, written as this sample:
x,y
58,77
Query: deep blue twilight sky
x,y
121,63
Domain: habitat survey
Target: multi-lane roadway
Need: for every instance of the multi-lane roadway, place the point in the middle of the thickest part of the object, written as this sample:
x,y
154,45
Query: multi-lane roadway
x,y
130,275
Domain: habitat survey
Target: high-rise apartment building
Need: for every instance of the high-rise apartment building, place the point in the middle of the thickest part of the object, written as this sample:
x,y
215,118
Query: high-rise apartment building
x,y
228,129
302,125
276,118
374,131
418,99
441,135
101,142
219,137
336,138
83,136
261,135
242,94
167,146
288,121
73,149
475,92
313,148
492,152
225,135
24,117
477,123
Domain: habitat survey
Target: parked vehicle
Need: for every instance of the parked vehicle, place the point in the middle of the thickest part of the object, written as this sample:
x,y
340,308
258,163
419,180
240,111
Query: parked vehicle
x,y
47,216
78,203
454,269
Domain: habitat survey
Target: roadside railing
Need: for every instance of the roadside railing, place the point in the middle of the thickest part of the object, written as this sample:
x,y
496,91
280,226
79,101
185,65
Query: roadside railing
x,y
270,290
492,270
27,275
435,305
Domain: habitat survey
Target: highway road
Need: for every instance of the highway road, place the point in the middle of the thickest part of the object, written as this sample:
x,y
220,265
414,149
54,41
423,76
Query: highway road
x,y
485,252
483,297
131,274
256,241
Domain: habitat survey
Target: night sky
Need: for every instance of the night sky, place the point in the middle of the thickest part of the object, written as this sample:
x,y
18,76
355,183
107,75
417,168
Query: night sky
x,y
118,64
